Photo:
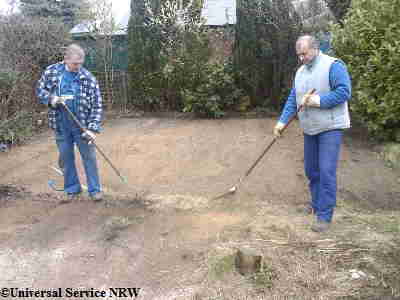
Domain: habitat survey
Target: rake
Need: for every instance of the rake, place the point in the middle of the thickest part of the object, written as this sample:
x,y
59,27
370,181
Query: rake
x,y
97,147
233,189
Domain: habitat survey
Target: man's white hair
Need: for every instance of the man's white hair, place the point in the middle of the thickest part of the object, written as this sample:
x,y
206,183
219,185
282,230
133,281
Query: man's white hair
x,y
311,41
74,50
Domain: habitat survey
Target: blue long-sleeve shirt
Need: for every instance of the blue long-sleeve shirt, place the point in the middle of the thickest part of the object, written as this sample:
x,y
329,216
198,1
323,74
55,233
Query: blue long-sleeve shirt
x,y
340,83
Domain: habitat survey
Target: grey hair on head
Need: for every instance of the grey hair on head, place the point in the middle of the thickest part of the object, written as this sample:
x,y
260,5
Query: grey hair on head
x,y
311,40
74,50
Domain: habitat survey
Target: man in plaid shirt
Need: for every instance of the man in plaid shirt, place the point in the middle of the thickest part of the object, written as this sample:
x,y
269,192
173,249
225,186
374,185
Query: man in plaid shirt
x,y
68,83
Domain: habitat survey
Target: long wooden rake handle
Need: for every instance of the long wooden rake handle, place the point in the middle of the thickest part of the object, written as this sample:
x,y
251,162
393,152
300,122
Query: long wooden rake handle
x,y
234,188
97,147
275,138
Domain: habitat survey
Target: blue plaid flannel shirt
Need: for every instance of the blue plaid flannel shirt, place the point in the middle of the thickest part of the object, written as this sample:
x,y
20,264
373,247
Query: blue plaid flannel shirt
x,y
89,99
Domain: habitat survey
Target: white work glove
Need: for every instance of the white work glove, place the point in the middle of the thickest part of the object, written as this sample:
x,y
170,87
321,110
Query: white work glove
x,y
311,101
278,129
56,100
89,136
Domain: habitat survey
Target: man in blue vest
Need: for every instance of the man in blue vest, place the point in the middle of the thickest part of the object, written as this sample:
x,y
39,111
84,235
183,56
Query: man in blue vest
x,y
68,83
323,118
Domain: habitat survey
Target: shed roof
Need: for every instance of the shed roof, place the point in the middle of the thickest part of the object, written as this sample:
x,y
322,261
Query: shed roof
x,y
214,12
219,12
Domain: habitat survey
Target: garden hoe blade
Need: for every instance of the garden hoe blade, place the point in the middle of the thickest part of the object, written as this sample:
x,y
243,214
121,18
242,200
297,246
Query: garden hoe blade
x,y
52,183
233,189
53,186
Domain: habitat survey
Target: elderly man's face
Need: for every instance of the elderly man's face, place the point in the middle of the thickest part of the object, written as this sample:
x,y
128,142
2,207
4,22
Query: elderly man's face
x,y
305,52
73,62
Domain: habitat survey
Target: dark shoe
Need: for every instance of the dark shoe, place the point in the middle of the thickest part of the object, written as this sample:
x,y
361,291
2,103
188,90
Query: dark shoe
x,y
320,226
68,198
97,197
306,210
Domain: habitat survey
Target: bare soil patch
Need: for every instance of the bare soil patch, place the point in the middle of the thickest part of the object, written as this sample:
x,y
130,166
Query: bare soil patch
x,y
162,231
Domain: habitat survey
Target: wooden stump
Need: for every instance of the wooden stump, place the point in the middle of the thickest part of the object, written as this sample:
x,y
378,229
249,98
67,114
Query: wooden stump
x,y
248,261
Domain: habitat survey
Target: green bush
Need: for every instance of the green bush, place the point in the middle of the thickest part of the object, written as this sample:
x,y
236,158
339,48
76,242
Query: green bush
x,y
165,52
369,42
264,52
186,68
7,83
17,129
215,93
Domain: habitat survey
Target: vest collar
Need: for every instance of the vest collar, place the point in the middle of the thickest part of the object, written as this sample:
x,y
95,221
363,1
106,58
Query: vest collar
x,y
315,60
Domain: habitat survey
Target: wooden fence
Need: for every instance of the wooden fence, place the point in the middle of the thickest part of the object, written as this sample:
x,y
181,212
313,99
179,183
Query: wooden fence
x,y
114,89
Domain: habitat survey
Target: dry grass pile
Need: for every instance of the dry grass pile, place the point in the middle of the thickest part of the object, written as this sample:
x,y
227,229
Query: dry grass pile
x,y
356,260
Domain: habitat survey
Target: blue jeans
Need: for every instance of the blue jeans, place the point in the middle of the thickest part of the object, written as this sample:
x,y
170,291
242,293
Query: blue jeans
x,y
67,135
321,155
